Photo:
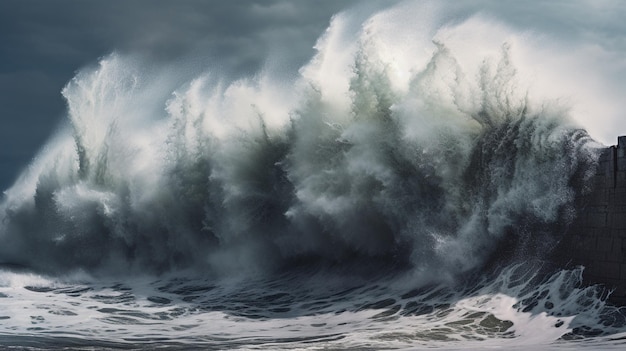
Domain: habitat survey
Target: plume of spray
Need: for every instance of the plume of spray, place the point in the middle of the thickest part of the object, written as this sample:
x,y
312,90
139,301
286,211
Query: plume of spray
x,y
382,150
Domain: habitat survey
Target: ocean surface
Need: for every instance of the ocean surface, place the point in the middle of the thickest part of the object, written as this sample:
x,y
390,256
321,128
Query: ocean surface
x,y
398,193
517,308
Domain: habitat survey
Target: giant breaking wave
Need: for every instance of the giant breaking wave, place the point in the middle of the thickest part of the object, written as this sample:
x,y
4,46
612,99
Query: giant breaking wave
x,y
370,155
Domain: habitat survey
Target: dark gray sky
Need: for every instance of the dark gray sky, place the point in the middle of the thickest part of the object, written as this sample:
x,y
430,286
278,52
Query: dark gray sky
x,y
44,42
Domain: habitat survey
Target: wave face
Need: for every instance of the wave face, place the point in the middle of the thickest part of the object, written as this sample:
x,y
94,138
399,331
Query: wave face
x,y
375,153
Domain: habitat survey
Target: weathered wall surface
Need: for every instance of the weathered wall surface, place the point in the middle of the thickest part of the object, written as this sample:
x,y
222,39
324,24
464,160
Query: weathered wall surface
x,y
597,239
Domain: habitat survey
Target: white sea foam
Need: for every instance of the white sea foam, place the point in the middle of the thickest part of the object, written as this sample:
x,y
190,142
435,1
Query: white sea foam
x,y
514,311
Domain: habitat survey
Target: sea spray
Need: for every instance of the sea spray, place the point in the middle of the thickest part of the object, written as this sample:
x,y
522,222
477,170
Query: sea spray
x,y
435,172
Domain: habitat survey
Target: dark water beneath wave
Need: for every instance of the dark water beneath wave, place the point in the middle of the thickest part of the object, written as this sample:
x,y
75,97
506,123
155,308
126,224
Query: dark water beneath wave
x,y
518,307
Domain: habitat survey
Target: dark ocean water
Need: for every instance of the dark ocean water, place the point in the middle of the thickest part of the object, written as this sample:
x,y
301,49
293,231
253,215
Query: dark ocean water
x,y
517,308
310,309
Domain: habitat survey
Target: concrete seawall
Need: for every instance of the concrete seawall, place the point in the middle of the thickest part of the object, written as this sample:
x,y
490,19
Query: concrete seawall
x,y
597,238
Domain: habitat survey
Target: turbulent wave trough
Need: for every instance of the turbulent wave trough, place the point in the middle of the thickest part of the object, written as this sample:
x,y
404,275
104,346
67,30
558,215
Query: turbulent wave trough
x,y
391,195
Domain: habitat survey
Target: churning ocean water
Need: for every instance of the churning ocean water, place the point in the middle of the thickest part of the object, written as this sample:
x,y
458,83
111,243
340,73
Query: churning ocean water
x,y
397,194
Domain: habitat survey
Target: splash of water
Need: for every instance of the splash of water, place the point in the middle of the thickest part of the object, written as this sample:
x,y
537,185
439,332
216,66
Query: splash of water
x,y
378,151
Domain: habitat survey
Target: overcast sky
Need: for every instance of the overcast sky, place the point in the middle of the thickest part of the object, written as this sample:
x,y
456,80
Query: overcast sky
x,y
44,42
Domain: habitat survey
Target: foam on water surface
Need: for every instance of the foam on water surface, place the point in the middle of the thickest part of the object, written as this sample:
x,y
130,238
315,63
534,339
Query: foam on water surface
x,y
296,312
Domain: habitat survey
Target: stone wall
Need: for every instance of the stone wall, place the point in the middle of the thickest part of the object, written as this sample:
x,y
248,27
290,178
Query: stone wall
x,y
597,239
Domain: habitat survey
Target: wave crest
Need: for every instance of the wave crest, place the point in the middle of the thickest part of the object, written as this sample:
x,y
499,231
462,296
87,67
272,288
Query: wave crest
x,y
367,156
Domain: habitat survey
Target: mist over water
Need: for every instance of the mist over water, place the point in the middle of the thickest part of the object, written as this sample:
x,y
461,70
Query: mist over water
x,y
430,169
392,153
